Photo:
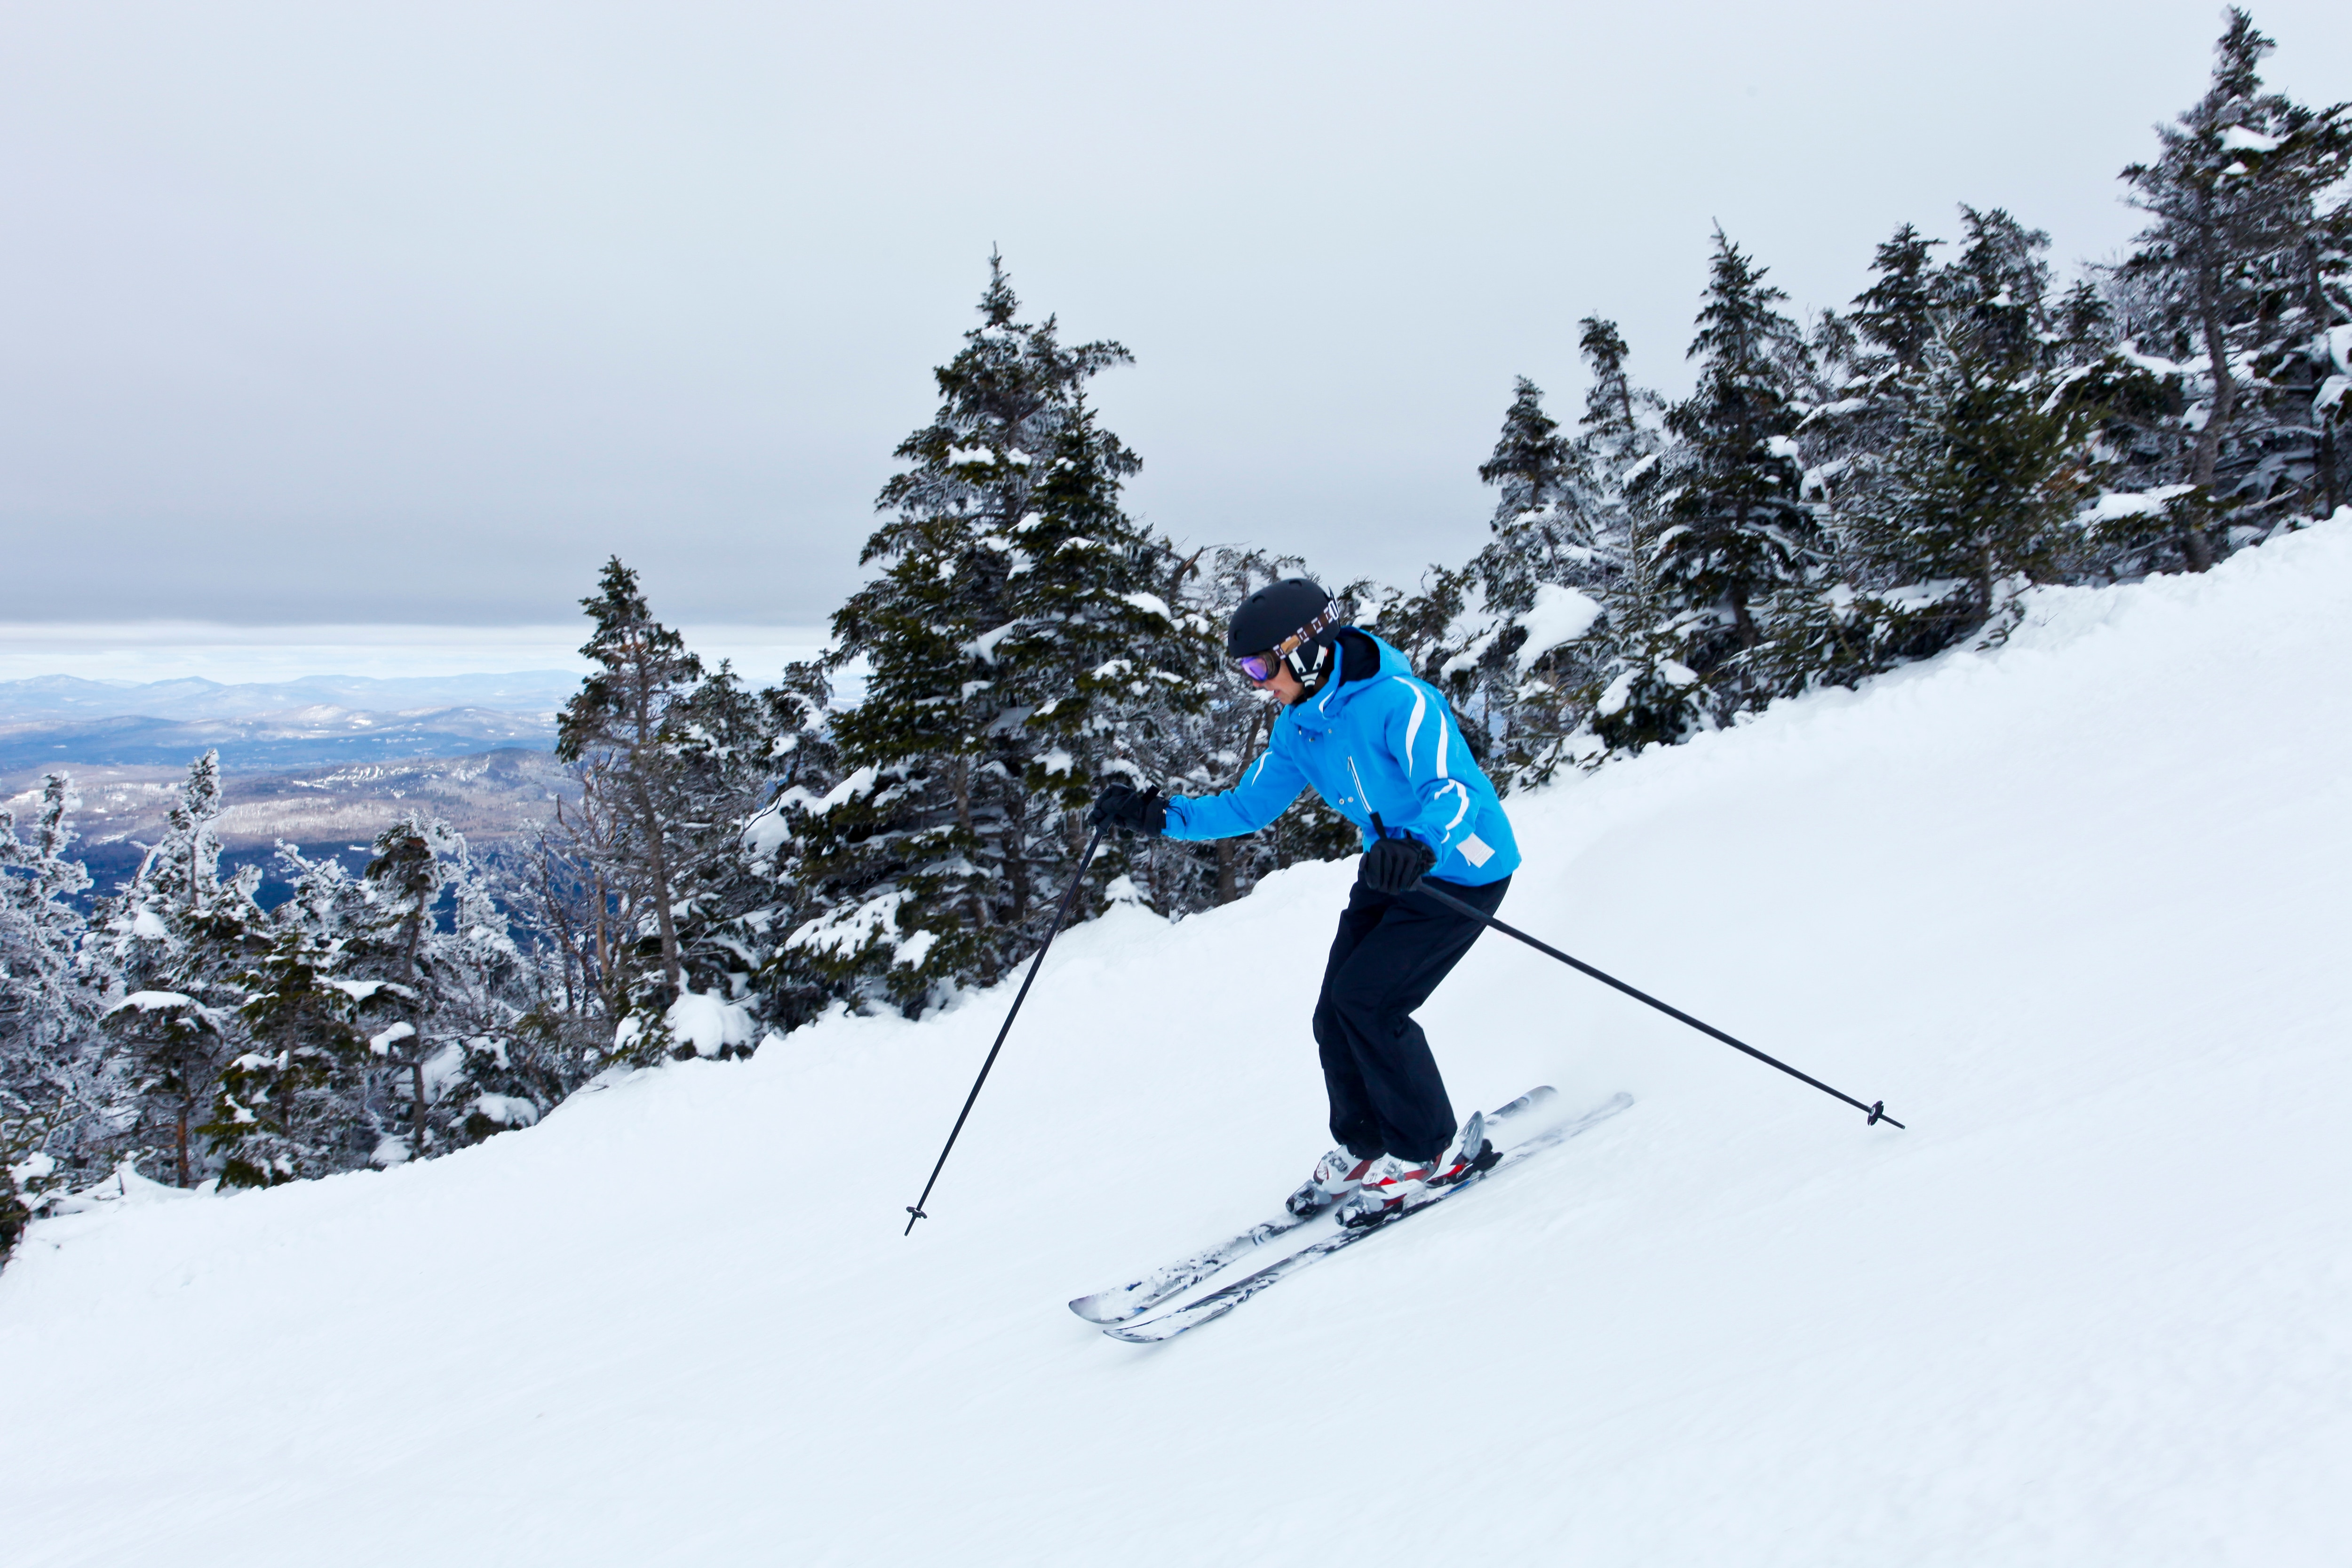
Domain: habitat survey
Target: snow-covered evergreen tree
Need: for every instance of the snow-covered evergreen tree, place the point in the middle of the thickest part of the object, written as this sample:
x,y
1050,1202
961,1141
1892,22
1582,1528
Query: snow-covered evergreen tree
x,y
1534,471
1505,635
2239,279
719,739
1017,640
179,937
1620,684
1618,440
1736,529
804,765
297,1104
1985,473
636,763
1719,532
48,1009
45,1006
392,1018
1959,430
1107,664
445,1000
403,882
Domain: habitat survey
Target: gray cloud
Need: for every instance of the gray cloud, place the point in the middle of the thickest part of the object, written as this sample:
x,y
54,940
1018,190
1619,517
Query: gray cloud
x,y
412,313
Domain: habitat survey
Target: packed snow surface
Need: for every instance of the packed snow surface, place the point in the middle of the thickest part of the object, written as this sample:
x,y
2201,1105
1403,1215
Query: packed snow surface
x,y
2075,908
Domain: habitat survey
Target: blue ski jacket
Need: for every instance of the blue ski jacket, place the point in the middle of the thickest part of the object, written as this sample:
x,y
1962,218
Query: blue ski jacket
x,y
1383,746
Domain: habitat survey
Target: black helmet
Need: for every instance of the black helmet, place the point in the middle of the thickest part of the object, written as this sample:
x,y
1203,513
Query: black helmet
x,y
1295,620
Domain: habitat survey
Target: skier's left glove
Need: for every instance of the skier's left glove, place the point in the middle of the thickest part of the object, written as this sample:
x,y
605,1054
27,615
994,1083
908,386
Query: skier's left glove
x,y
1394,865
1123,806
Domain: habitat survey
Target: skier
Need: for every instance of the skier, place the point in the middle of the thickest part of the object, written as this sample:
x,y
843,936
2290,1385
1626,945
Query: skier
x,y
1382,749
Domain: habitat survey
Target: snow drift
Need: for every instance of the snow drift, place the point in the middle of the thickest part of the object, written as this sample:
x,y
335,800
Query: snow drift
x,y
2075,908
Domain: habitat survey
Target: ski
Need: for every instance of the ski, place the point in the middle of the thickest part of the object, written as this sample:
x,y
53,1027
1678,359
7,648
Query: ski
x,y
1123,1303
1212,1307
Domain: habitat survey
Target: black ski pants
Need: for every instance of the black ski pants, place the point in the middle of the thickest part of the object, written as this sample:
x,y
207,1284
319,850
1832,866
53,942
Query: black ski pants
x,y
1392,951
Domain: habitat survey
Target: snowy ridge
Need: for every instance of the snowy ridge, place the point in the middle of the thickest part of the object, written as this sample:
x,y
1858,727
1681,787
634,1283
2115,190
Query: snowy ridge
x,y
535,691
2075,907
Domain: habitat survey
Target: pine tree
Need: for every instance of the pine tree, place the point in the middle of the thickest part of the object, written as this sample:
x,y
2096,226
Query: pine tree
x,y
1960,435
439,1044
1013,638
1501,636
403,885
1895,316
1735,529
1980,420
722,737
45,1007
1992,469
48,1093
295,1105
804,765
2241,272
1533,467
1623,685
179,936
552,892
618,729
1107,666
507,1062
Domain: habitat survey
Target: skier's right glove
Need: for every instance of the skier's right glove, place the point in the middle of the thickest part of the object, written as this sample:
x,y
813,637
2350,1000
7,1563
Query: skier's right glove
x,y
1394,865
1123,806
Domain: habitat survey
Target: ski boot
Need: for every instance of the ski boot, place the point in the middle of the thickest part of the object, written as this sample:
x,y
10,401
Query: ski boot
x,y
1389,1184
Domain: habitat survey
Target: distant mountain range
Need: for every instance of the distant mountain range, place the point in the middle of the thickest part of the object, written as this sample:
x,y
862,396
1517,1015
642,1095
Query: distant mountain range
x,y
65,696
304,737
60,721
494,797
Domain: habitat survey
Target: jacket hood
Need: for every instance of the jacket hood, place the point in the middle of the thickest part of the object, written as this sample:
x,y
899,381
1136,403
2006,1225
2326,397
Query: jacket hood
x,y
1323,709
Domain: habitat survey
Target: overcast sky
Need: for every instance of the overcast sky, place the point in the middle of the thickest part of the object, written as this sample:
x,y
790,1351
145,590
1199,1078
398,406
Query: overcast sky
x,y
413,313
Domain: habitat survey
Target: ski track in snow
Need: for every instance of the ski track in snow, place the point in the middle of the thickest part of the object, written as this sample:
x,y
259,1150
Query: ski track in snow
x,y
2074,908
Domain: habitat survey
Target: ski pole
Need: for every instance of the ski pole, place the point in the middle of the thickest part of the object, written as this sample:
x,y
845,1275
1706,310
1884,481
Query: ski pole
x,y
1877,1110
1060,914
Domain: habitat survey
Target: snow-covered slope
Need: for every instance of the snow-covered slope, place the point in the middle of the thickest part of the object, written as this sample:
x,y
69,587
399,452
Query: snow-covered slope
x,y
2076,909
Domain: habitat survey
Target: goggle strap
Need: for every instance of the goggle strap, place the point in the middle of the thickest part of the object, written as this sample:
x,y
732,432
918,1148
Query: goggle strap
x,y
1330,618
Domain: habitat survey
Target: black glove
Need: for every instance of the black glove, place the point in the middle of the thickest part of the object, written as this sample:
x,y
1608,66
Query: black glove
x,y
1394,865
1123,806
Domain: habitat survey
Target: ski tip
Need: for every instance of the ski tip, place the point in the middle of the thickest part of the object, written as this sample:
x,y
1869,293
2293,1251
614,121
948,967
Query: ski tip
x,y
1542,1094
1167,1327
1096,1309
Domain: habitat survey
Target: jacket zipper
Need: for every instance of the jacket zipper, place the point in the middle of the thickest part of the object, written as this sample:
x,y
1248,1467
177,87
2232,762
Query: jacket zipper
x,y
1378,831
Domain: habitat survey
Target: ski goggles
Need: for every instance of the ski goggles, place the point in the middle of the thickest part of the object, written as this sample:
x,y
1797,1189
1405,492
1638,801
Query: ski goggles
x,y
1260,667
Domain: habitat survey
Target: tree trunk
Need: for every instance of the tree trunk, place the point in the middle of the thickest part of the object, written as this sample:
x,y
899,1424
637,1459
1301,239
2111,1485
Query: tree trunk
x,y
2199,550
2328,463
1226,892
658,867
960,782
1741,620
416,1082
608,985
415,1021
2315,301
180,1137
1016,862
643,747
